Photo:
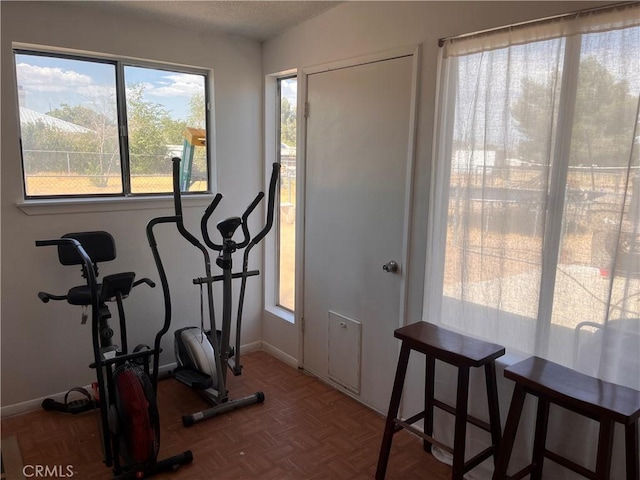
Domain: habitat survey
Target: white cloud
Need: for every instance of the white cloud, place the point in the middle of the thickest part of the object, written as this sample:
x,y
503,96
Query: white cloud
x,y
48,79
98,91
177,85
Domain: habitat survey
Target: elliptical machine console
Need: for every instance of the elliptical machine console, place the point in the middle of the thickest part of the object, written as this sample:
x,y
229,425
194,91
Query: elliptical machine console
x,y
204,355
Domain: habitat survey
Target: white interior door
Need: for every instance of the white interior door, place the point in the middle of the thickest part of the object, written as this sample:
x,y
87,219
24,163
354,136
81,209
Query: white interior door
x,y
358,130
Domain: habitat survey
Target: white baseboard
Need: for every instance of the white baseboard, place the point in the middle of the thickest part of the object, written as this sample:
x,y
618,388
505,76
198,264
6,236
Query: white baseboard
x,y
280,355
251,347
36,404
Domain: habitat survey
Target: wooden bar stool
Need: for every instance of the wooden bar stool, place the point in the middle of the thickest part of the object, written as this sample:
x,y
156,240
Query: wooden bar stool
x,y
604,402
462,352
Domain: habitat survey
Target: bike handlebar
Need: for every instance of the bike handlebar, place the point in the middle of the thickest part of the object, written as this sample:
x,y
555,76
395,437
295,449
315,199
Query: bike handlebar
x,y
88,266
148,281
46,297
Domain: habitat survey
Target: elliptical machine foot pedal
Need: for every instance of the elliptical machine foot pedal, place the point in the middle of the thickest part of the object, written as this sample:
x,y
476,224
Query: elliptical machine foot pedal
x,y
193,378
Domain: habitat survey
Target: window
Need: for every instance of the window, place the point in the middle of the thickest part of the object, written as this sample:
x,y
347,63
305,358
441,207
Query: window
x,y
95,127
286,133
535,233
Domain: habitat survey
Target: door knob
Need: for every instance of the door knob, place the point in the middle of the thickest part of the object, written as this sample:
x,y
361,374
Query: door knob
x,y
390,267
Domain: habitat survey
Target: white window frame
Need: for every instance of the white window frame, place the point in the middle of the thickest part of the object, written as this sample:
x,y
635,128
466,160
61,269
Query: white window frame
x,y
271,154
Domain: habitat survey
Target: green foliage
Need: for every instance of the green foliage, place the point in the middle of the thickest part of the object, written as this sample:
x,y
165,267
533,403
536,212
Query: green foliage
x,y
150,130
197,112
603,123
147,124
287,122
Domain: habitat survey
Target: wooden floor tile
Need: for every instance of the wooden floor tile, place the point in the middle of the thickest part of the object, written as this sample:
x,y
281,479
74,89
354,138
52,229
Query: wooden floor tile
x,y
305,429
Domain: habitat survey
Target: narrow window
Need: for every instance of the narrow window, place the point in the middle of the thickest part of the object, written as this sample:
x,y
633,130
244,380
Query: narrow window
x,y
287,95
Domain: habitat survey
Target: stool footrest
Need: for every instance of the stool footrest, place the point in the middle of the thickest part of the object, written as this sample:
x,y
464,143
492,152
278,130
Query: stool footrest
x,y
479,458
565,462
470,418
408,421
522,473
415,418
401,424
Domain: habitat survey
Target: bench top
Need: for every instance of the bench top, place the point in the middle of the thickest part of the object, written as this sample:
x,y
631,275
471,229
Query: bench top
x,y
576,391
448,346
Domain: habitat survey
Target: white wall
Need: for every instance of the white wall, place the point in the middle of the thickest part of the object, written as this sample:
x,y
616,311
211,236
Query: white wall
x,y
356,29
45,350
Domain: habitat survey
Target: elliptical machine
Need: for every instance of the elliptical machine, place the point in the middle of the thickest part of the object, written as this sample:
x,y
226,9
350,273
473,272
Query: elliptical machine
x,y
126,389
203,356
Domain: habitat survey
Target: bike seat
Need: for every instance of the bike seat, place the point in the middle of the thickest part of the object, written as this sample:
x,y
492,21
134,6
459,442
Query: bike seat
x,y
108,290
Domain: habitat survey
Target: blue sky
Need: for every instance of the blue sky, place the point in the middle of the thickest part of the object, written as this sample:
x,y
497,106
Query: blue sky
x,y
48,82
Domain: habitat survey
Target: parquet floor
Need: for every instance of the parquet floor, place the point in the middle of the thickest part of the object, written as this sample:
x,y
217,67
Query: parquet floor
x,y
304,430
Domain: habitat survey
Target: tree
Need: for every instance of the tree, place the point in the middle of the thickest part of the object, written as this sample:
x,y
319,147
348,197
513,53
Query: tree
x,y
102,139
603,123
92,152
197,111
44,148
150,129
287,122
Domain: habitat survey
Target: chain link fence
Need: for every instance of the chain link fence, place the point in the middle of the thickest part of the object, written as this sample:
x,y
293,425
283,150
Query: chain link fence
x,y
56,173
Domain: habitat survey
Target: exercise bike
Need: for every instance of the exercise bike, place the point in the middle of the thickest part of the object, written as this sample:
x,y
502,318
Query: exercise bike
x,y
126,388
204,355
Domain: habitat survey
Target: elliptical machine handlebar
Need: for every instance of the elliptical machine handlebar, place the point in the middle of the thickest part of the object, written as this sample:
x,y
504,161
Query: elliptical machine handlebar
x,y
245,217
179,222
177,201
247,240
205,218
275,174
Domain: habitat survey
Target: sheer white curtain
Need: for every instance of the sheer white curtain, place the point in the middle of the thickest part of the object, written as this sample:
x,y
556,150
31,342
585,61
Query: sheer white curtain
x,y
534,237
534,227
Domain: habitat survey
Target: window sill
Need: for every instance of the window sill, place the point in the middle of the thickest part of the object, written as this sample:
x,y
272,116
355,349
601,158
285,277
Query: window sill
x,y
286,315
107,204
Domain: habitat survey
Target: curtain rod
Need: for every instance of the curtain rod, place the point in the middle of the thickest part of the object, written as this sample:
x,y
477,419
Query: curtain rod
x,y
441,41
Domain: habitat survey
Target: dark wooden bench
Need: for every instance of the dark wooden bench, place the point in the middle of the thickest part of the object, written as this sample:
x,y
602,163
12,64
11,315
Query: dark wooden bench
x,y
463,352
602,401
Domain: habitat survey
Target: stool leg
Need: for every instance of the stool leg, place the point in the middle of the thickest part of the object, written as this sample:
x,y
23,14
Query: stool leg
x,y
394,405
605,449
631,447
540,438
429,391
459,438
509,435
494,408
